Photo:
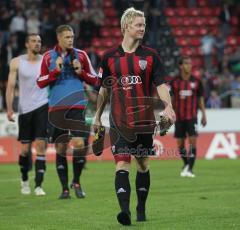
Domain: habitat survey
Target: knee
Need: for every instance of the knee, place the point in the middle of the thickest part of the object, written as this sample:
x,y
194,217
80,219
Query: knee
x,y
61,148
78,143
122,165
41,147
25,149
143,165
143,168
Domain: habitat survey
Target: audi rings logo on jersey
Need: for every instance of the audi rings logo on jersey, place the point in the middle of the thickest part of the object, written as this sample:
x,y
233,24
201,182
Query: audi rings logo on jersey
x,y
130,80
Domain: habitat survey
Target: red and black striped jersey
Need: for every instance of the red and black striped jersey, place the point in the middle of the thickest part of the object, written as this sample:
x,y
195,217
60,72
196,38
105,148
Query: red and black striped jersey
x,y
130,78
186,94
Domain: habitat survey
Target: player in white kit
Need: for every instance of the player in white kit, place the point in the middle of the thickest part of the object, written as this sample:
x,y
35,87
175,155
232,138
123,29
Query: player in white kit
x,y
33,111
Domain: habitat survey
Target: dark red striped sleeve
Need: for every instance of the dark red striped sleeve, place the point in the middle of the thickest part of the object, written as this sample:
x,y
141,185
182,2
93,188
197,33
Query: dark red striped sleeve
x,y
200,90
46,76
104,71
88,74
158,71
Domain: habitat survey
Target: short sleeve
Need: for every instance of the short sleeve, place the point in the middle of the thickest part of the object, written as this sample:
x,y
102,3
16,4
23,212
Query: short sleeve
x,y
158,71
170,87
103,70
200,90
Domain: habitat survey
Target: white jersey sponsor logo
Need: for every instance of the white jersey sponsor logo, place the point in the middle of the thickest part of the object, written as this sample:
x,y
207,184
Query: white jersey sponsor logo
x,y
185,93
130,80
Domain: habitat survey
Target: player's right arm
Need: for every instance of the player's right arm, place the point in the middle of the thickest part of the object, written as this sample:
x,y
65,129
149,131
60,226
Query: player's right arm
x,y
101,103
12,78
102,95
46,77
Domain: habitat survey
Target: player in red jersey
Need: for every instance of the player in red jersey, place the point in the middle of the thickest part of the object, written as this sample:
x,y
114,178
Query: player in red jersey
x,y
188,96
128,72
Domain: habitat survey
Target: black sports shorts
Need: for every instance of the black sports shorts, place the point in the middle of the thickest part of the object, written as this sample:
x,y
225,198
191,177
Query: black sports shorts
x,y
33,125
138,145
185,127
66,124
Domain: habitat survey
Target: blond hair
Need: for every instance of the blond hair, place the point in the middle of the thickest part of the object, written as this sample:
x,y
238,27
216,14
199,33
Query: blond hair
x,y
62,28
128,16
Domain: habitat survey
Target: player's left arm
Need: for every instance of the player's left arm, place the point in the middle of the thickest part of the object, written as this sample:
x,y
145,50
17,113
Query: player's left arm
x,y
202,108
163,93
159,75
201,103
85,70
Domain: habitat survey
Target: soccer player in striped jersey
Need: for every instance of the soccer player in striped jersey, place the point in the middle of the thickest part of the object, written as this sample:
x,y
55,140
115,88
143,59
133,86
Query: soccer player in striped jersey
x,y
64,69
188,96
33,105
128,73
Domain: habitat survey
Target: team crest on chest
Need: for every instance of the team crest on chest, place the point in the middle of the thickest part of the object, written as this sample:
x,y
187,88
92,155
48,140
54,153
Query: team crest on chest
x,y
142,64
192,84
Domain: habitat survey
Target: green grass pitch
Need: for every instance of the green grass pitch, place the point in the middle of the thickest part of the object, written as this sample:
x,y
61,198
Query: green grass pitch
x,y
209,201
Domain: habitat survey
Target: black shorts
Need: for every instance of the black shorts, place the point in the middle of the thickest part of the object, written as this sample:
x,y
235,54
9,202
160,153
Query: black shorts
x,y
66,124
140,146
33,125
186,127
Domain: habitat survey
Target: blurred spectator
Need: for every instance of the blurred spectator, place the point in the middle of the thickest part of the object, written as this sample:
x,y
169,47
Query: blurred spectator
x,y
214,101
225,89
94,58
234,62
207,44
86,29
33,24
18,26
225,18
32,9
153,21
5,20
74,22
235,86
48,31
97,16
220,46
212,82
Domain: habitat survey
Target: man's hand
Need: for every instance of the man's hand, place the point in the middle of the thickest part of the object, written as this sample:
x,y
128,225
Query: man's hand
x,y
96,125
204,120
77,66
59,64
10,116
169,114
167,118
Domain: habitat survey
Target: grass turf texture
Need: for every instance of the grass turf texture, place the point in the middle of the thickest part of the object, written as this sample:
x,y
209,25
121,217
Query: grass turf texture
x,y
209,201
